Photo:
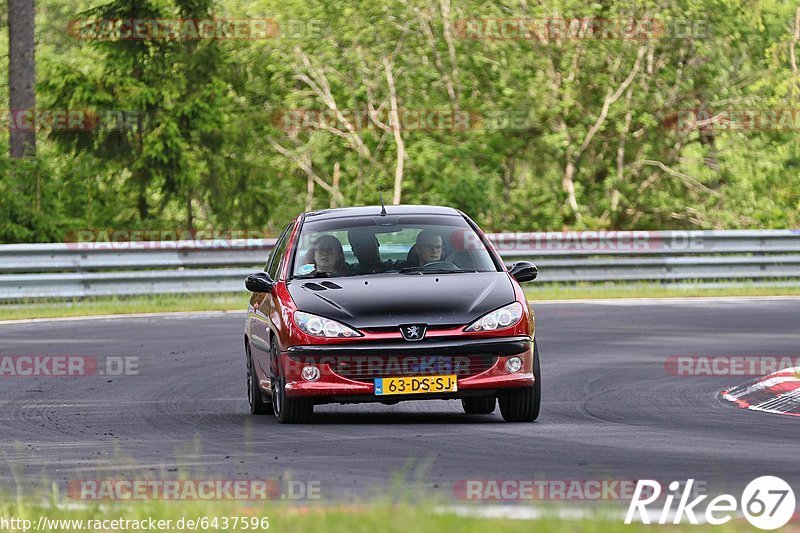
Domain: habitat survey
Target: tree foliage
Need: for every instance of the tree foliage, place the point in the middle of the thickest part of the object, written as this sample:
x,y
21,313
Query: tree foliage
x,y
571,131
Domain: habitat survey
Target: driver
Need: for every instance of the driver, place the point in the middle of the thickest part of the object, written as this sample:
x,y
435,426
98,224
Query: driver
x,y
429,247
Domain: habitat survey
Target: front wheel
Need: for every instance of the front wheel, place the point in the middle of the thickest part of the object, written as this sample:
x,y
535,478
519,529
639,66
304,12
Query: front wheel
x,y
522,405
287,410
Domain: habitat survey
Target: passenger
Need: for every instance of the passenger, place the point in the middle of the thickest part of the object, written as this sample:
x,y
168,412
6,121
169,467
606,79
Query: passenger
x,y
328,255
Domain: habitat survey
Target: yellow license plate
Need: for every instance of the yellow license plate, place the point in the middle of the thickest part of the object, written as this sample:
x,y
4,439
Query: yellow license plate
x,y
416,385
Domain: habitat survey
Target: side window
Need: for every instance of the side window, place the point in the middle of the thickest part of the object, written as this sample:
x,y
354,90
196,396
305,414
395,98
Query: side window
x,y
280,247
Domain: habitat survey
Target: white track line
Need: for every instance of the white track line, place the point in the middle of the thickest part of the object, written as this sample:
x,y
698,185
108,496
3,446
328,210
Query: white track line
x,y
528,512
666,301
172,314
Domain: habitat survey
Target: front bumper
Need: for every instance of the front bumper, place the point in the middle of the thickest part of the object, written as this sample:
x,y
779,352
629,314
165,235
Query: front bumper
x,y
332,387
460,346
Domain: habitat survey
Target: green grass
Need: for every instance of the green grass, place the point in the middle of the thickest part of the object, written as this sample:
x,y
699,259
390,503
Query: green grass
x,y
123,305
322,517
238,302
638,290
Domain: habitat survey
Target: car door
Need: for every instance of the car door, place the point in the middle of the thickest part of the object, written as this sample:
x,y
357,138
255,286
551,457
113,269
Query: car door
x,y
264,306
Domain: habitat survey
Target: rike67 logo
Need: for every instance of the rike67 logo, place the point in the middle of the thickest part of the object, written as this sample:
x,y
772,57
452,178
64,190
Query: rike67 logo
x,y
767,502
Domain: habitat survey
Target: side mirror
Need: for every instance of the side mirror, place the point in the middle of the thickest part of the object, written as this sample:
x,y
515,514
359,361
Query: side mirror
x,y
259,282
523,271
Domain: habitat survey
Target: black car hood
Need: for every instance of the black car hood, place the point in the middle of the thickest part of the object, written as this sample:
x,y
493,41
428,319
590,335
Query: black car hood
x,y
385,300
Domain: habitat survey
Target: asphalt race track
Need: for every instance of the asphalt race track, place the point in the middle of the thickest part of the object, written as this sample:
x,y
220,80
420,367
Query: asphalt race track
x,y
610,409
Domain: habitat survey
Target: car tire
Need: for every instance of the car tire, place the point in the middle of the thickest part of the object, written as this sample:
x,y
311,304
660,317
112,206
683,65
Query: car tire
x,y
288,410
479,406
522,405
255,397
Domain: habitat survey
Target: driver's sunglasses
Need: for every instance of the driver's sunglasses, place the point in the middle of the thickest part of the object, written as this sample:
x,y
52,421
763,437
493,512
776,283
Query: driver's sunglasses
x,y
326,250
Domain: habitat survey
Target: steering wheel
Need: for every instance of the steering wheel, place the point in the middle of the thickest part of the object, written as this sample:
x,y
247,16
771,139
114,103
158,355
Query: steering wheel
x,y
440,265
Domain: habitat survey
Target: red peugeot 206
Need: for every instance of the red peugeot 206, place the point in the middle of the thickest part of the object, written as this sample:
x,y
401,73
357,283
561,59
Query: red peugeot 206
x,y
374,304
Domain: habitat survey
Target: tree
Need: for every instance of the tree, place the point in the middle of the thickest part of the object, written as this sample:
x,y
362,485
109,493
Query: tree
x,y
560,128
175,91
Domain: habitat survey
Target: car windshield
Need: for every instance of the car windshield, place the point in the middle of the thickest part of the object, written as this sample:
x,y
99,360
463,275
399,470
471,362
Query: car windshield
x,y
406,245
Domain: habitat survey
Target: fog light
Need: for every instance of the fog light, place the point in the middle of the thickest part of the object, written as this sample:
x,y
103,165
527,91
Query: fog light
x,y
513,364
311,373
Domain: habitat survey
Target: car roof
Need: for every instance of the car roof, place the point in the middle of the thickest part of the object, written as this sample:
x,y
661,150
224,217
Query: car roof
x,y
375,210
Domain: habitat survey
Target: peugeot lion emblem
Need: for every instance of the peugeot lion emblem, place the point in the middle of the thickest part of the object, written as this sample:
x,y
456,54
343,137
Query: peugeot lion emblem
x,y
413,332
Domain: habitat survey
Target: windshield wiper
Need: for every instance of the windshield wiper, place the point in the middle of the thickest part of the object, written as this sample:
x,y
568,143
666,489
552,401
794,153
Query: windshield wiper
x,y
423,270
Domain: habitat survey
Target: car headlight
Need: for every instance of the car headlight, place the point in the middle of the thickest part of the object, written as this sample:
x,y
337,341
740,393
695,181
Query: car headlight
x,y
319,326
498,319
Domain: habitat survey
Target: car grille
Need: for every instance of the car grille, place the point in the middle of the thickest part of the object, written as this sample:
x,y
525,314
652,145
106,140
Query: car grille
x,y
368,368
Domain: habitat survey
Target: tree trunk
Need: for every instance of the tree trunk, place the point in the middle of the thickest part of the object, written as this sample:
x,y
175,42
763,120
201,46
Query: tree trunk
x,y
398,136
309,191
189,214
21,75
568,184
335,194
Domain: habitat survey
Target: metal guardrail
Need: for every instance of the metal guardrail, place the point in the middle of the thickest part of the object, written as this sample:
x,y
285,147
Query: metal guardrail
x,y
74,270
